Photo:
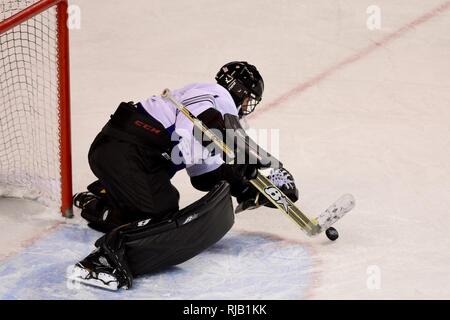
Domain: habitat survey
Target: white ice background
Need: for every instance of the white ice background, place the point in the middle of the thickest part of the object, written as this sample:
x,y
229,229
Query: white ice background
x,y
359,111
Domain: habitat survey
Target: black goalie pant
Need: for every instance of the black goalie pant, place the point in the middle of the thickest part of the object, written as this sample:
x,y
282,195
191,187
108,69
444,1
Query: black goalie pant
x,y
136,179
145,246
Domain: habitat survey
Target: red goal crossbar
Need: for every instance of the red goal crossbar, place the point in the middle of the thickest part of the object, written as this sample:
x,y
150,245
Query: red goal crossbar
x,y
63,87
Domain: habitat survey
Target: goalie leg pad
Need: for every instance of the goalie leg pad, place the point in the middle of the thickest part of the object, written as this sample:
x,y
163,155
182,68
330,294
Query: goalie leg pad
x,y
148,246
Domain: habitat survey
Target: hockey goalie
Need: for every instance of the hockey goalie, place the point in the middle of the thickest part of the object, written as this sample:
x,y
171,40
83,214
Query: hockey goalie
x,y
134,158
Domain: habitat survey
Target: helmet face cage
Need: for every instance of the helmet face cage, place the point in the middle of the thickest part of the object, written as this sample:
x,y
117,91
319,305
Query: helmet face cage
x,y
249,105
244,83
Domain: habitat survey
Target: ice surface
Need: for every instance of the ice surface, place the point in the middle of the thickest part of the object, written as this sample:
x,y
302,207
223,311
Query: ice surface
x,y
359,111
254,265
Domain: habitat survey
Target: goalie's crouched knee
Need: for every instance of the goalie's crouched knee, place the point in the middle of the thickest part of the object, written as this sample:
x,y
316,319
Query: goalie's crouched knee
x,y
146,246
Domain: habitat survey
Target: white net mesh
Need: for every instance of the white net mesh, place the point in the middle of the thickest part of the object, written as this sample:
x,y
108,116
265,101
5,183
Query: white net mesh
x,y
29,116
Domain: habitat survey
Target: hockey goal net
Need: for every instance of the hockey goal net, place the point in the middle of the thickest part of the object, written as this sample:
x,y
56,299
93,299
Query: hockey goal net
x,y
34,102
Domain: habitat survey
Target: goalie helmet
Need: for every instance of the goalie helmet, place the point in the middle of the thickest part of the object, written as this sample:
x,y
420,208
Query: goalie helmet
x,y
244,83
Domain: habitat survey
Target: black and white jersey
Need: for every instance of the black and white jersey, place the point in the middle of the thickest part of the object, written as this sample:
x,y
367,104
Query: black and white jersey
x,y
198,97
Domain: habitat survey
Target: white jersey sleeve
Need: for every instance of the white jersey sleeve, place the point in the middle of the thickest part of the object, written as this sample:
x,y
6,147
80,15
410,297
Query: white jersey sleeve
x,y
197,100
197,97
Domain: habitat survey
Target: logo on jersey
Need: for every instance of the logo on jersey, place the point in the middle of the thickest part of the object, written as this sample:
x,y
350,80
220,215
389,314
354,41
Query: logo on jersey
x,y
277,196
147,127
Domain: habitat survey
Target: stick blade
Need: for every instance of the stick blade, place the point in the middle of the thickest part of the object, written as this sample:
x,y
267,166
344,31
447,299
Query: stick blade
x,y
336,211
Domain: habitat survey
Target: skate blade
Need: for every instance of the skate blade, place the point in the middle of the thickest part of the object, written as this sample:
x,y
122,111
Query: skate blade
x,y
102,280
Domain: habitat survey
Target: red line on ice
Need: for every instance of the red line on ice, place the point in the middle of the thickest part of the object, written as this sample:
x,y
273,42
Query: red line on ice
x,y
353,58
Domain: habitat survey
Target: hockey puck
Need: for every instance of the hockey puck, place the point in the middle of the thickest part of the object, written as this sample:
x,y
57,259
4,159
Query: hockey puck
x,y
332,233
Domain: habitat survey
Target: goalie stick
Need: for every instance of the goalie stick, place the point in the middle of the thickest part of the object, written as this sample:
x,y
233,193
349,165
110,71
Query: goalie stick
x,y
310,226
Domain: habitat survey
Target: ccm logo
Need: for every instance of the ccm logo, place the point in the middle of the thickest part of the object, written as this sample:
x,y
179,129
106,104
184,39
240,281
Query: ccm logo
x,y
147,127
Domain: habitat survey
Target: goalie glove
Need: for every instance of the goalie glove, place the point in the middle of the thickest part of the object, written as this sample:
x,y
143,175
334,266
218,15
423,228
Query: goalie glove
x,y
284,180
250,198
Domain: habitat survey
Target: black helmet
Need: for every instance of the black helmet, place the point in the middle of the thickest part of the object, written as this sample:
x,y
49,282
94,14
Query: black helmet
x,y
242,80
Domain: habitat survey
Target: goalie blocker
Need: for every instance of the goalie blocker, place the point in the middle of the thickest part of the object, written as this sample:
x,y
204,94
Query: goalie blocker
x,y
144,247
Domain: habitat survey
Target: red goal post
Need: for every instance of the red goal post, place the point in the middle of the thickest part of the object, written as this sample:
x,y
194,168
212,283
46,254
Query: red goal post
x,y
63,85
